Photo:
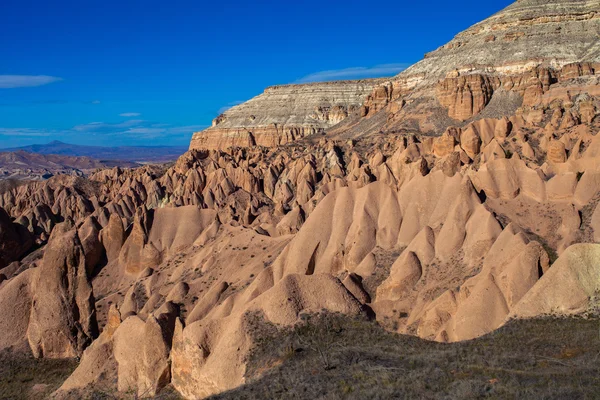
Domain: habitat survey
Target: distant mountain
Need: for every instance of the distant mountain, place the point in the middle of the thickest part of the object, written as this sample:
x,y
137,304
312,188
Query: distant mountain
x,y
23,165
138,154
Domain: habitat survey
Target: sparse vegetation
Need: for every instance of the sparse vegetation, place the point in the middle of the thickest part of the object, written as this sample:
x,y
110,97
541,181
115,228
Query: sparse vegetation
x,y
335,356
24,377
168,393
544,358
384,260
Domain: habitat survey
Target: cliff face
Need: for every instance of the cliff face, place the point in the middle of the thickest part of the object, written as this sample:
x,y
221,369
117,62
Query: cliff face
x,y
504,64
514,56
523,48
465,96
524,35
285,113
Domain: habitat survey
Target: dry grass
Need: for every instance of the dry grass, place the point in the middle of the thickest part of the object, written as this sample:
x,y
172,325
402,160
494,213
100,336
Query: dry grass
x,y
24,377
332,356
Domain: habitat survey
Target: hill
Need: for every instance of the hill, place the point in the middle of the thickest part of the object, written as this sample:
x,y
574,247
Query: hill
x,y
138,154
21,165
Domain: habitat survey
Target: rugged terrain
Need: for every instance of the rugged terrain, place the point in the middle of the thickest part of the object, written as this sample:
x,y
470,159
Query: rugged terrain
x,y
505,64
442,204
21,165
334,357
285,113
39,162
139,154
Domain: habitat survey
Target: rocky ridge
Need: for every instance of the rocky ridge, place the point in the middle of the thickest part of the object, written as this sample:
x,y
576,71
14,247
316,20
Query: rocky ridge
x,y
285,113
515,55
525,35
157,275
496,67
178,259
21,165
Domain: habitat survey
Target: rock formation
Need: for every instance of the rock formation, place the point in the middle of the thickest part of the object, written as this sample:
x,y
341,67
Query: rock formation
x,y
21,165
517,38
285,113
63,316
568,286
509,60
475,202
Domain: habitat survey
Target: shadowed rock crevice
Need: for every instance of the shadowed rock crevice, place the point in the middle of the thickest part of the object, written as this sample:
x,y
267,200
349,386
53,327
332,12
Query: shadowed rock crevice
x,y
312,262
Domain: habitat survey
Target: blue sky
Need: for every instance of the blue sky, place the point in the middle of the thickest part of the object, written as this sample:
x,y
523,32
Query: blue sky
x,y
133,72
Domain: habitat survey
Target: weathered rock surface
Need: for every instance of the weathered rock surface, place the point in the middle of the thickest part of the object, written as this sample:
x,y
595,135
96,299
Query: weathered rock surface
x,y
465,96
476,201
63,317
517,38
208,355
160,234
97,362
141,350
284,113
15,308
570,287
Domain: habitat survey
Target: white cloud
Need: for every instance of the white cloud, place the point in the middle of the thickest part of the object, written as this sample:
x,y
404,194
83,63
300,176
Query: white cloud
x,y
20,81
136,128
354,73
130,114
131,130
103,127
25,132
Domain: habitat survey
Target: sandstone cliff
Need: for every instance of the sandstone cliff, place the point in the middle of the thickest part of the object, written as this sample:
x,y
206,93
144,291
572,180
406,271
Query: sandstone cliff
x,y
490,70
524,35
284,113
508,60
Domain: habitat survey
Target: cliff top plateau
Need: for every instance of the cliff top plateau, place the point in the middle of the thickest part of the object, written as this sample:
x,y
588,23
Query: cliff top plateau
x,y
526,34
498,62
